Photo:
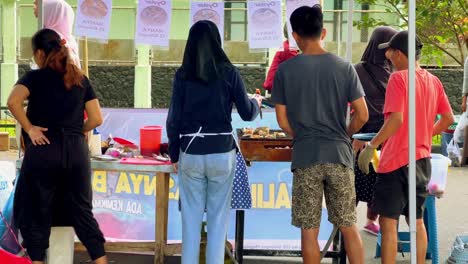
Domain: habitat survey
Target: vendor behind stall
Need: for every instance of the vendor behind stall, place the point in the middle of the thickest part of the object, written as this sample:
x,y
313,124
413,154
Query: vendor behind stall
x,y
56,164
280,57
200,132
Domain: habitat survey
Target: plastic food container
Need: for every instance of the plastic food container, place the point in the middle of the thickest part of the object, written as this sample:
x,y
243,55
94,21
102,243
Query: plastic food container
x,y
150,140
438,182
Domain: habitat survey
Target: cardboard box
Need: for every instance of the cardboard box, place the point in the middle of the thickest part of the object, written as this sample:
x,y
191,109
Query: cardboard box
x,y
4,141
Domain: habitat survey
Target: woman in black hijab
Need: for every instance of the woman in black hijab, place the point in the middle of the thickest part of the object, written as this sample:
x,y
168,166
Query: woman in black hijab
x,y
201,143
374,71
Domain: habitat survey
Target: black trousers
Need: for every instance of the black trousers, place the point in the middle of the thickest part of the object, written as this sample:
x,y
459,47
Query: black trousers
x,y
54,188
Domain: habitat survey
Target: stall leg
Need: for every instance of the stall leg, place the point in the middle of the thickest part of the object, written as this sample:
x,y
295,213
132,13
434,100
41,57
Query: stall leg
x,y
335,247
342,250
240,236
162,205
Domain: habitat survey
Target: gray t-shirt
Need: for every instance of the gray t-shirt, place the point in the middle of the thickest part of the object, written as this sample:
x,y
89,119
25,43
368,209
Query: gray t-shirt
x,y
316,90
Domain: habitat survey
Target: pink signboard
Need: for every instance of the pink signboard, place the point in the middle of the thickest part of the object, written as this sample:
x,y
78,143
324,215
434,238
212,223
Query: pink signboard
x,y
153,23
93,18
264,24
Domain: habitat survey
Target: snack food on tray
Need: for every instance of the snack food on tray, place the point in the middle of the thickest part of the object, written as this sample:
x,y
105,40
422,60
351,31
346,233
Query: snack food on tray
x,y
247,132
262,132
280,134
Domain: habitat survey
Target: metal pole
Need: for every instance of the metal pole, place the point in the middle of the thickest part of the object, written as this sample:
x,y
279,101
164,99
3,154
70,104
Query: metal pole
x,y
85,57
349,42
412,124
9,66
40,14
339,33
349,48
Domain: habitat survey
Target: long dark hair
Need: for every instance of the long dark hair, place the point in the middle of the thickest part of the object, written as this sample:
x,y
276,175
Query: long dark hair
x,y
57,56
204,58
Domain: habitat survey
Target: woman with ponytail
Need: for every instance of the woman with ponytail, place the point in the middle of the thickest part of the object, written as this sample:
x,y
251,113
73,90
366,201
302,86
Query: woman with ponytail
x,y
57,15
56,170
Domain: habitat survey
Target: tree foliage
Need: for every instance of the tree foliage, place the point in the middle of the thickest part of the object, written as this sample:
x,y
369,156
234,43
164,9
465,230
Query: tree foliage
x,y
442,25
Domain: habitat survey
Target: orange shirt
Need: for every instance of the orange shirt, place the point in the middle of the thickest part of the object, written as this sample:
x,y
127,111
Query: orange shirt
x,y
430,101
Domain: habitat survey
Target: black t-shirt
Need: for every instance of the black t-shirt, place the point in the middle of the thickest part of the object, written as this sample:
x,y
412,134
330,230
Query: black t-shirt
x,y
51,105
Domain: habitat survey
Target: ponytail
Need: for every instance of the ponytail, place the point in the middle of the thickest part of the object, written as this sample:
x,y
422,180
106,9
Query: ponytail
x,y
58,57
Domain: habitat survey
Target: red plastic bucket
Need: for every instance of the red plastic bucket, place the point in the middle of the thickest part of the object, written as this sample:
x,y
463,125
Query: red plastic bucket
x,y
150,140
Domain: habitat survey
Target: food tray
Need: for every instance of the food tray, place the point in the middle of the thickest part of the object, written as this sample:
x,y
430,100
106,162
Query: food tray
x,y
287,138
266,149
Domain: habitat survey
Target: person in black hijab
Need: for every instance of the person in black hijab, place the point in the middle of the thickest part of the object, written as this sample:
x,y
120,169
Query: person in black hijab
x,y
374,71
201,143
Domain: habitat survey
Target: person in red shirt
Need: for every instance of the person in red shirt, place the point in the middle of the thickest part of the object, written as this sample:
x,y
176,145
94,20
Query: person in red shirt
x,y
391,188
280,56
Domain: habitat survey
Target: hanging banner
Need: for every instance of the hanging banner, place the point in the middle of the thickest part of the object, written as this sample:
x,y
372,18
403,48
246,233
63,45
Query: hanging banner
x,y
93,19
264,24
153,22
212,11
291,6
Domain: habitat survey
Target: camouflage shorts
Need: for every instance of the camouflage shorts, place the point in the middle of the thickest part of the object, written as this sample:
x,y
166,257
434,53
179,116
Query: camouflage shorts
x,y
309,185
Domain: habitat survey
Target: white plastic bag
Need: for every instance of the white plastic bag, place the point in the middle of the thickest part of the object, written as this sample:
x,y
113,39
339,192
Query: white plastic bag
x,y
7,176
454,153
459,134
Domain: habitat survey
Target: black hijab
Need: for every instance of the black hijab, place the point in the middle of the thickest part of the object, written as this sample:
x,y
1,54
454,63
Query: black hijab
x,y
204,58
374,58
374,71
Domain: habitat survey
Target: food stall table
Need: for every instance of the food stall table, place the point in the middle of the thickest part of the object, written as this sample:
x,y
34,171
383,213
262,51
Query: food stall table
x,y
159,246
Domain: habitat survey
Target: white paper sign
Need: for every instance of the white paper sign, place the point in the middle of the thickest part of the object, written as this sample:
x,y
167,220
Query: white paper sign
x,y
212,11
264,24
93,18
153,23
291,6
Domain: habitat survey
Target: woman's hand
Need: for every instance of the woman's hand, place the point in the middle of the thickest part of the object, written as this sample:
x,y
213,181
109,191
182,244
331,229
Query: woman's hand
x,y
37,136
259,99
175,167
358,145
464,104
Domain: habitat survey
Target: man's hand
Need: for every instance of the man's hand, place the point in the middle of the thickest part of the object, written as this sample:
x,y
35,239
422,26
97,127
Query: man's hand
x,y
358,145
175,167
259,99
365,157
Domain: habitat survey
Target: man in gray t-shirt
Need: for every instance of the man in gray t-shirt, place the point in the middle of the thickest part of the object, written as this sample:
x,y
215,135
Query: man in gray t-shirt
x,y
316,90
312,92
